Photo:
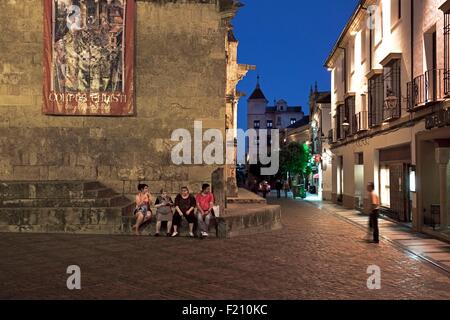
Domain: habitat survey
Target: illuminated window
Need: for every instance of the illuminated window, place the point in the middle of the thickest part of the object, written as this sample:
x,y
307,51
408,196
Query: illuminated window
x,y
385,187
412,181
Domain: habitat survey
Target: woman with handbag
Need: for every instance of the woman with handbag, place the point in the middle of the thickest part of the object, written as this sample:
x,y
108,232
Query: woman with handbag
x,y
164,212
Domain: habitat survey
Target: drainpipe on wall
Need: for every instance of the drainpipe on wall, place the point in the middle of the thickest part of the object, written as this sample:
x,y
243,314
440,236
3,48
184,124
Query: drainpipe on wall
x,y
412,40
371,45
419,213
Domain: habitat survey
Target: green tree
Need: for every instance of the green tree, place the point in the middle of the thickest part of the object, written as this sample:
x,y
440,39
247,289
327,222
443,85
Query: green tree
x,y
295,159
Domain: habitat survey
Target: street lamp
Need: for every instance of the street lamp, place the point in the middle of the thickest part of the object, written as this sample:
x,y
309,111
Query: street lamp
x,y
346,125
390,104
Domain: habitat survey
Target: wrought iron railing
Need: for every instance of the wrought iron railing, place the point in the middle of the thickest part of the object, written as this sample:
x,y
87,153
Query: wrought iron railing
x,y
330,137
392,92
447,83
361,121
447,53
376,101
349,112
426,88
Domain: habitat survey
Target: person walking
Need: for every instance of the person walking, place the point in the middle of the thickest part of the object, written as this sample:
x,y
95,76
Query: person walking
x,y
265,189
286,188
278,186
374,213
254,186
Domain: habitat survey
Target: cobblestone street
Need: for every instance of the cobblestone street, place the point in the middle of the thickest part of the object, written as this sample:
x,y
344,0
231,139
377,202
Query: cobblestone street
x,y
315,256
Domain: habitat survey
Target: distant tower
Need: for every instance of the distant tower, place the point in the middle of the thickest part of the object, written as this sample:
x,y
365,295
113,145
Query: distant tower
x,y
256,106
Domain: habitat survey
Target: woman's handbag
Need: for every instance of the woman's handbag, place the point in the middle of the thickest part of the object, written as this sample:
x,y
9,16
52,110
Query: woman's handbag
x,y
216,210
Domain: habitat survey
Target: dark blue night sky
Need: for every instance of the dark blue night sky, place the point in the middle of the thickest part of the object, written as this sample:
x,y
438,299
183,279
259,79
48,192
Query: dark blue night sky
x,y
288,41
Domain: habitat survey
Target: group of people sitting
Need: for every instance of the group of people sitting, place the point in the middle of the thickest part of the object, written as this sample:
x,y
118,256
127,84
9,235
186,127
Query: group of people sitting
x,y
198,209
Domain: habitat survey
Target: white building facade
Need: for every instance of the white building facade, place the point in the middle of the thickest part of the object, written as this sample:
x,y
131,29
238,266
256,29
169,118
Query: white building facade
x,y
320,126
390,83
260,115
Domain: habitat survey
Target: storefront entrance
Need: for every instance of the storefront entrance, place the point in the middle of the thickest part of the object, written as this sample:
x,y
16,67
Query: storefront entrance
x,y
433,180
360,189
394,190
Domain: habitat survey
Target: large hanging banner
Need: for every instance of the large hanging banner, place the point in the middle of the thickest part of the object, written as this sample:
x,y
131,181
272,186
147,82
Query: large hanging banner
x,y
89,57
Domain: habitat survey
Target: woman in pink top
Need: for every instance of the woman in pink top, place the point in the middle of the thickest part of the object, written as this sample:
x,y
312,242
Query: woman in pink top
x,y
205,203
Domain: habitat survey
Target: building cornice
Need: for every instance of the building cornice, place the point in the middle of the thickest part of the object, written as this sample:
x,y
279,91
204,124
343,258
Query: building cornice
x,y
391,56
445,6
374,72
222,5
352,25
349,95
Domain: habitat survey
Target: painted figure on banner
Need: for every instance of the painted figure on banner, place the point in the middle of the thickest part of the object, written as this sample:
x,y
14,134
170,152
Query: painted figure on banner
x,y
88,51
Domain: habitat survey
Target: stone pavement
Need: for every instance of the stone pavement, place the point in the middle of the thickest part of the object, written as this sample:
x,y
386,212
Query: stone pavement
x,y
316,255
432,250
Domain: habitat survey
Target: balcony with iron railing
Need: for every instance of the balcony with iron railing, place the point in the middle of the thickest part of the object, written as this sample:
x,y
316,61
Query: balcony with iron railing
x,y
428,88
330,137
361,122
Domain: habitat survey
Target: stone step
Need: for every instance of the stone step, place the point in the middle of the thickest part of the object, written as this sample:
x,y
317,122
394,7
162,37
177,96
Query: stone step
x,y
246,201
94,193
246,197
112,201
44,189
246,219
91,208
117,221
238,220
108,220
150,228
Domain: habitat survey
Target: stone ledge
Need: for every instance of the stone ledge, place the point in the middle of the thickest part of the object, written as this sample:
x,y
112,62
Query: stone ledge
x,y
246,197
245,219
31,207
238,220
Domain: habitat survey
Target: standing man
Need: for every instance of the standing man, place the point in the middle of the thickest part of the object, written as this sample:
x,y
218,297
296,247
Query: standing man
x,y
278,186
264,187
374,212
205,204
286,188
